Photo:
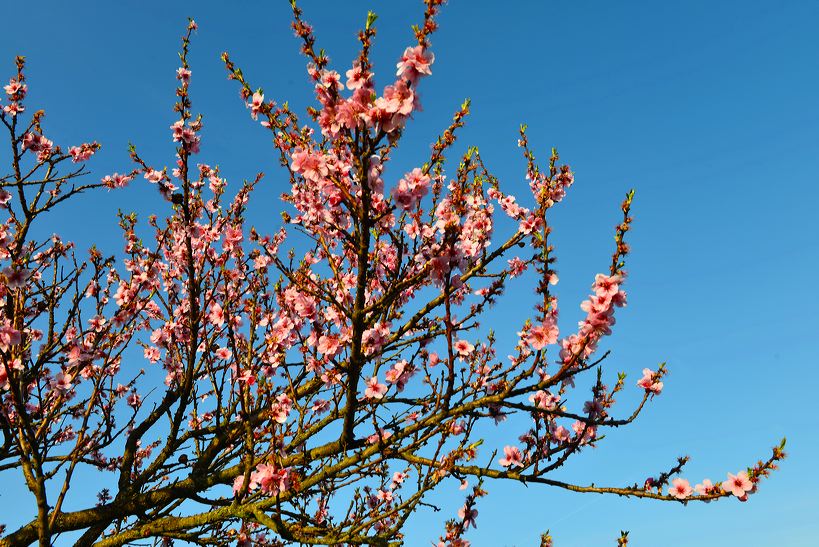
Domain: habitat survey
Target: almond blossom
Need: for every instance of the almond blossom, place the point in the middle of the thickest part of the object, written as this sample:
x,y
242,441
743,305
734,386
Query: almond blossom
x,y
739,485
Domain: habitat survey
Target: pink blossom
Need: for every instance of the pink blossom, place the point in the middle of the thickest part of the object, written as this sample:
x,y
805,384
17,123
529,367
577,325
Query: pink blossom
x,y
542,335
606,286
464,348
9,336
374,389
384,495
544,400
468,516
649,383
512,457
516,266
328,345
216,315
187,135
246,377
116,181
134,400
399,374
233,236
151,354
12,109
374,338
560,433
255,104
399,99
398,478
738,485
83,152
320,405
411,189
705,487
38,143
680,489
223,353
270,480
97,323
237,484
312,165
62,382
588,432
414,63
379,435
16,277
281,408
183,75
15,88
357,78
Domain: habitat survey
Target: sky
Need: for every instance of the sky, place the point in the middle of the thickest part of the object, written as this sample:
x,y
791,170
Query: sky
x,y
708,109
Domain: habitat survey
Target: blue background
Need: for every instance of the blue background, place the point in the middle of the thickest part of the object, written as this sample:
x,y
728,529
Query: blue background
x,y
709,109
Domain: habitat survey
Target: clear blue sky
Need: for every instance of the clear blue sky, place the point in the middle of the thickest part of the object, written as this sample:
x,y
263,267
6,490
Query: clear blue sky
x,y
709,109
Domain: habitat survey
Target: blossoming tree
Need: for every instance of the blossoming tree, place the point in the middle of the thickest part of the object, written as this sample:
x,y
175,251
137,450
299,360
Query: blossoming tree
x,y
319,381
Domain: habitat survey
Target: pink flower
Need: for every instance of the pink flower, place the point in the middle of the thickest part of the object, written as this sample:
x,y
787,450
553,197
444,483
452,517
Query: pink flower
x,y
400,373
38,143
374,338
398,478
183,75
541,336
97,323
356,78
270,480
83,152
312,165
255,104
151,354
116,181
384,495
560,434
705,487
13,109
512,457
233,235
237,484
62,382
464,348
15,88
328,345
4,377
16,278
649,383
320,405
134,400
414,63
544,400
281,408
738,485
223,353
606,286
378,436
397,99
411,189
680,489
9,336
468,516
374,389
247,377
216,315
